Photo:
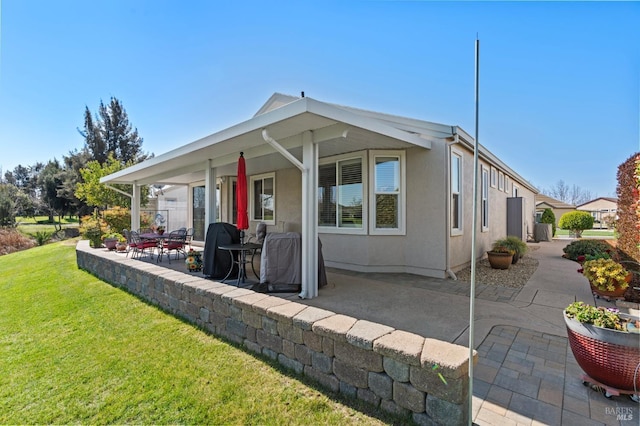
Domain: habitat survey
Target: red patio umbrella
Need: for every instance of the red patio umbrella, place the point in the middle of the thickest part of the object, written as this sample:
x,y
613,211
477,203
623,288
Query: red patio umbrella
x,y
242,221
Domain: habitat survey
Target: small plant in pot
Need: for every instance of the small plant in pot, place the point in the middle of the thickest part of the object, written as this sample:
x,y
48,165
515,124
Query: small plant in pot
x,y
500,256
606,276
514,243
111,239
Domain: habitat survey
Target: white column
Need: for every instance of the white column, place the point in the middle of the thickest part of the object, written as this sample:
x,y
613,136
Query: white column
x,y
309,217
210,201
135,207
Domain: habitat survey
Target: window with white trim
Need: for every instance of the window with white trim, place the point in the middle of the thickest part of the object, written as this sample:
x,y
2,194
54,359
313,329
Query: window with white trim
x,y
341,193
387,171
484,213
456,192
516,191
263,198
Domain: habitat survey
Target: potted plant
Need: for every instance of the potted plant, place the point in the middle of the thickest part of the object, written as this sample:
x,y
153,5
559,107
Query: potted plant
x,y
500,256
606,345
606,276
514,243
111,239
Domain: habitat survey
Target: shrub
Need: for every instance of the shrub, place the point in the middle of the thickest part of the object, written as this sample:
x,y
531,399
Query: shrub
x,y
43,237
549,217
628,209
576,221
11,241
91,228
117,219
586,248
512,243
605,274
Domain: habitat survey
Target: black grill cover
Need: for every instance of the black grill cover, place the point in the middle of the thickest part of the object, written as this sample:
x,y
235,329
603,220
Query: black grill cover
x,y
216,262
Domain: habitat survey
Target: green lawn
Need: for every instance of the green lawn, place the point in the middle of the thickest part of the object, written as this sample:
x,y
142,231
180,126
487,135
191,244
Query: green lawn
x,y
588,233
74,349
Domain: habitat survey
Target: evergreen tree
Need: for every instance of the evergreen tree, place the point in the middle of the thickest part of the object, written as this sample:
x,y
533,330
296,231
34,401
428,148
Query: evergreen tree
x,y
112,133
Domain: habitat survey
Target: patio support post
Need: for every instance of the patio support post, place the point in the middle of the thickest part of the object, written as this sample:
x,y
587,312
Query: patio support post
x,y
135,207
210,195
309,217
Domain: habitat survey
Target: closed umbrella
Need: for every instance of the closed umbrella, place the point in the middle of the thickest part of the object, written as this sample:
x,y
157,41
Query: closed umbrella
x,y
242,221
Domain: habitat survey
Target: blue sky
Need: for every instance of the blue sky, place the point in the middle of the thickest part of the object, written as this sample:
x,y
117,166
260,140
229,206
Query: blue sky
x,y
559,81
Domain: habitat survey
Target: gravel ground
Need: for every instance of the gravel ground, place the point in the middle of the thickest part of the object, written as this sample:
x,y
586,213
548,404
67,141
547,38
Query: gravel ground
x,y
515,277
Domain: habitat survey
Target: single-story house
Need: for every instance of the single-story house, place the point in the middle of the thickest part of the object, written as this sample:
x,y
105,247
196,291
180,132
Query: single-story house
x,y
558,207
383,193
603,209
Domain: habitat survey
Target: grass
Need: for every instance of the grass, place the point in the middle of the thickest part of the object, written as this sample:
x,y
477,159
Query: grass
x,y
77,350
609,233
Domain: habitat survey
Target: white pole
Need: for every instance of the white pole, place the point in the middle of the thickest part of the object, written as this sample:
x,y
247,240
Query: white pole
x,y
472,294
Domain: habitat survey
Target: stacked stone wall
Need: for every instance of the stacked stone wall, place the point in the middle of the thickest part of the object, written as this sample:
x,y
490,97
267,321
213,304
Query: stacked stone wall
x,y
398,371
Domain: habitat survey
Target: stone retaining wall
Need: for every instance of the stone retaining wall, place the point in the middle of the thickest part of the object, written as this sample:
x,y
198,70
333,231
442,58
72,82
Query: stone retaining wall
x,y
395,370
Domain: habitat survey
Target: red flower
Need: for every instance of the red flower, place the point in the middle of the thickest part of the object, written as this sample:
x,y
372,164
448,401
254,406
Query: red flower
x,y
581,270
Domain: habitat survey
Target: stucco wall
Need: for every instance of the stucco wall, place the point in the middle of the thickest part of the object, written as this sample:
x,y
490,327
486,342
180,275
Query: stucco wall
x,y
394,370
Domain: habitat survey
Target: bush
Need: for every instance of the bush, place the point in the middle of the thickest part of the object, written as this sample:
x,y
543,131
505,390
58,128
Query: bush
x,y
11,241
628,191
92,228
117,219
594,248
43,237
605,274
549,217
576,221
512,243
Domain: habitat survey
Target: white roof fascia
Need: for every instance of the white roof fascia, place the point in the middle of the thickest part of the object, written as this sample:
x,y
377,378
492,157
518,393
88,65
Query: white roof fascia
x,y
271,117
487,155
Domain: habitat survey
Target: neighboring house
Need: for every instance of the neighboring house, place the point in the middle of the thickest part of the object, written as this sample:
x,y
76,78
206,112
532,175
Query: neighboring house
x,y
558,207
604,211
383,193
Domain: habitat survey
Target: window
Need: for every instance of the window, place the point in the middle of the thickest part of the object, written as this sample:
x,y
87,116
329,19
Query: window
x,y
263,201
501,181
341,193
506,184
456,193
387,192
484,216
516,191
494,177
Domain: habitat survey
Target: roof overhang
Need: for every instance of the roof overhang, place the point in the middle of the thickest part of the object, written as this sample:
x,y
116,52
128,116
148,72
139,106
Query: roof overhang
x,y
335,130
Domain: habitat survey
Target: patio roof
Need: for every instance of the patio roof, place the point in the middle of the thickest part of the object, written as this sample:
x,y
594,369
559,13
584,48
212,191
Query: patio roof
x,y
336,130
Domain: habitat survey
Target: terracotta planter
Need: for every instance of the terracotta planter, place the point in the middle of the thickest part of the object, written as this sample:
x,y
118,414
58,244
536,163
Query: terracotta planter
x,y
499,260
608,356
110,243
121,247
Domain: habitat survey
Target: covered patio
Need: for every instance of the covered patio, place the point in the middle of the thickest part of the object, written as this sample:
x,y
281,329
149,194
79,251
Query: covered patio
x,y
287,138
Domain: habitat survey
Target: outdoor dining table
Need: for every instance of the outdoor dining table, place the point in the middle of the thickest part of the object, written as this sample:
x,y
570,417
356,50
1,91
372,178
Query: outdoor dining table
x,y
158,238
241,250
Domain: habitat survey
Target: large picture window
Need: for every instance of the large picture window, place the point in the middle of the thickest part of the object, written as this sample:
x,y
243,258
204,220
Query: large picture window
x,y
263,200
456,193
341,194
387,198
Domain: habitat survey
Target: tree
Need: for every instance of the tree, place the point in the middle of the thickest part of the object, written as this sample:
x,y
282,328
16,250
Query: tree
x,y
571,195
576,221
97,194
111,133
549,217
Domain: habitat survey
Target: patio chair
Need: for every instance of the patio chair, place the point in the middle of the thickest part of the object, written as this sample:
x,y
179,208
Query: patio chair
x,y
140,245
175,242
190,232
131,246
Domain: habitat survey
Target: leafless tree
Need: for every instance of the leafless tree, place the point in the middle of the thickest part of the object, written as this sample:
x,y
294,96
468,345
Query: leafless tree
x,y
568,194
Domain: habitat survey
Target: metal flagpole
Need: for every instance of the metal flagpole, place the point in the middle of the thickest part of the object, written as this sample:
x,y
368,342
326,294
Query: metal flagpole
x,y
472,293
